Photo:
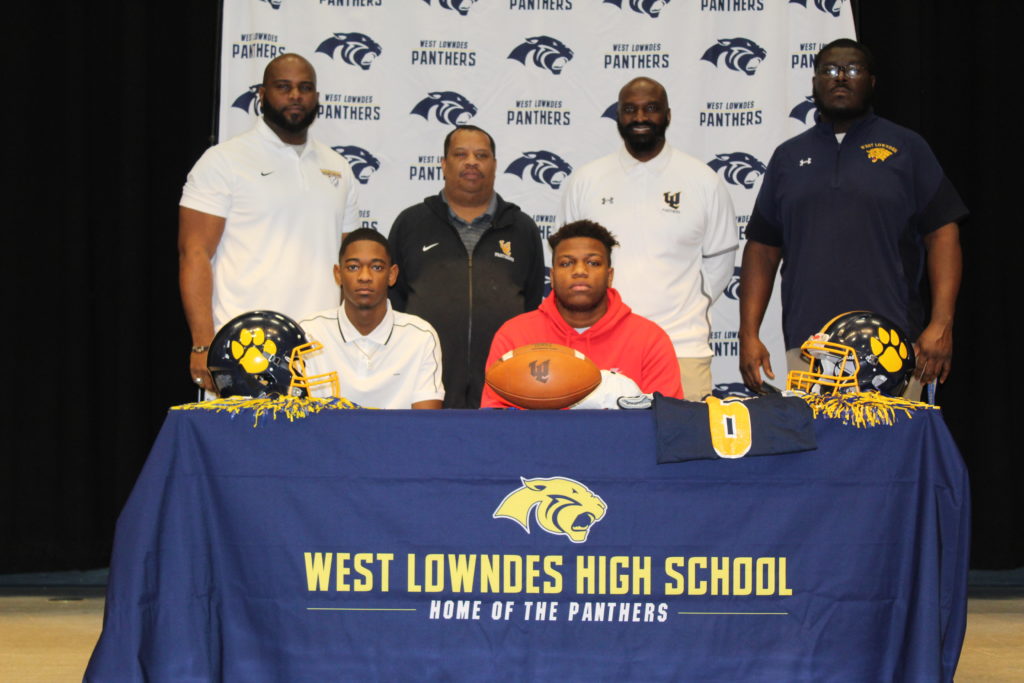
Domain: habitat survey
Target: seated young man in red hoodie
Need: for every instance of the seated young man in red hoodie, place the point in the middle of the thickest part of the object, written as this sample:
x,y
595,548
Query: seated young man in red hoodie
x,y
583,312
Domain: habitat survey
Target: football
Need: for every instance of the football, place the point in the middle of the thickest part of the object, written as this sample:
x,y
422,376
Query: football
x,y
543,376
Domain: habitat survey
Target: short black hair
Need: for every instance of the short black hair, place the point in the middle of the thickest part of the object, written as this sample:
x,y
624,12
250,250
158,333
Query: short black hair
x,y
869,58
456,129
584,229
360,234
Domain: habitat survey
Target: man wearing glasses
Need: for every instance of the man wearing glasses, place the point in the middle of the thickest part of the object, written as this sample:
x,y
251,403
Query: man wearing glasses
x,y
855,209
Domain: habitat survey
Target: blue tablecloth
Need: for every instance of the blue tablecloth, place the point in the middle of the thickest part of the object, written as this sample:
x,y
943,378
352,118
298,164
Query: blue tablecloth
x,y
365,545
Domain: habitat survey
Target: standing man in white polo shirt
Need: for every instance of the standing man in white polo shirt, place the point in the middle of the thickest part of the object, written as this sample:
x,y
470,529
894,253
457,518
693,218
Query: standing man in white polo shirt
x,y
384,358
676,223
262,215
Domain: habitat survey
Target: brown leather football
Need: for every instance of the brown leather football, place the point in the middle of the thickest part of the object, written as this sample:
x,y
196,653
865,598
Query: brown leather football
x,y
543,376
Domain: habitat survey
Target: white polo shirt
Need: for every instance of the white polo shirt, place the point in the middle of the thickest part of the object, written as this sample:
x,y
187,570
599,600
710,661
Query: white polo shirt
x,y
284,215
396,365
675,222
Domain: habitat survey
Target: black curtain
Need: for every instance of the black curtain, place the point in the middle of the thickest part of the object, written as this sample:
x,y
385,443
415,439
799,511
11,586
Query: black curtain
x,y
942,72
109,105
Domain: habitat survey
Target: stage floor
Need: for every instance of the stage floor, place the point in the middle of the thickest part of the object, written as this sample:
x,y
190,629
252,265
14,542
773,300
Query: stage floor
x,y
47,634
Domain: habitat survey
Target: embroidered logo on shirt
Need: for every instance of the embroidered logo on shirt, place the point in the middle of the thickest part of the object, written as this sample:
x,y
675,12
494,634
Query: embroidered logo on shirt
x,y
805,162
672,199
428,247
878,151
607,200
265,173
506,250
333,176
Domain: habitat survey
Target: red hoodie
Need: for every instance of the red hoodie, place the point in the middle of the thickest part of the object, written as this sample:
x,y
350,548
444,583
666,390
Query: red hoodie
x,y
621,340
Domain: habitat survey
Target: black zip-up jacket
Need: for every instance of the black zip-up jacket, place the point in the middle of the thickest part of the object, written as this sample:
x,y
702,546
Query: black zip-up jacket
x,y
465,299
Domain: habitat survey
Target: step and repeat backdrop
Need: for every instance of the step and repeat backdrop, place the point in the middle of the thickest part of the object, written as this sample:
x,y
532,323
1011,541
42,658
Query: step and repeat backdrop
x,y
542,76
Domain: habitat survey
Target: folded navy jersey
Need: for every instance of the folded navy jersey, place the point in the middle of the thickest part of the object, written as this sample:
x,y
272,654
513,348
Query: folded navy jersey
x,y
732,427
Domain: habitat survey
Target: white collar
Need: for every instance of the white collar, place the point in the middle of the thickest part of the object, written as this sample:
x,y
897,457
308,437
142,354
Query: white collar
x,y
379,335
656,165
268,134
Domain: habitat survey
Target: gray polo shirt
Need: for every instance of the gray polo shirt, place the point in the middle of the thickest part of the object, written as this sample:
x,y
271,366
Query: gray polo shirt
x,y
471,232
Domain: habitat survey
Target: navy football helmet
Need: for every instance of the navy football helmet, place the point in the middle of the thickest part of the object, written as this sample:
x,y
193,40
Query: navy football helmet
x,y
856,351
262,353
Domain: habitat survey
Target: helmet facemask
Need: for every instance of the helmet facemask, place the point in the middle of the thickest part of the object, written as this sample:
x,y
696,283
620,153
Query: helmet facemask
x,y
303,385
833,368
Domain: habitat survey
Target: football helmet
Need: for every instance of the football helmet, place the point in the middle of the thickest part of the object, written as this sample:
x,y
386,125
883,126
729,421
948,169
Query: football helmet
x,y
263,353
855,351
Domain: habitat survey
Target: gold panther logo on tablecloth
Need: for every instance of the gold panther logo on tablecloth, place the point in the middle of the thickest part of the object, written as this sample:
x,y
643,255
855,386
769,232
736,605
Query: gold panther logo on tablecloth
x,y
560,506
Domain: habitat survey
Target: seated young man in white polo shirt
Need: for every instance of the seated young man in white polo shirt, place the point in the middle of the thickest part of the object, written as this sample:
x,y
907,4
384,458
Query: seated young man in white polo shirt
x,y
384,358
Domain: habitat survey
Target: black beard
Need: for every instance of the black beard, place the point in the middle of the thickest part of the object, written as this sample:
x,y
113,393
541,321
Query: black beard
x,y
843,114
277,117
645,143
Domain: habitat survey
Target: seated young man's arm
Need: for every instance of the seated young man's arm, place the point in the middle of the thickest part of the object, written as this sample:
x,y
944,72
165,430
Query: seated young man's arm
x,y
661,368
429,394
433,404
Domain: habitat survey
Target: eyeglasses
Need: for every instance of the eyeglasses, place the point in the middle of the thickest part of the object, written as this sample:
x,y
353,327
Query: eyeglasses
x,y
833,70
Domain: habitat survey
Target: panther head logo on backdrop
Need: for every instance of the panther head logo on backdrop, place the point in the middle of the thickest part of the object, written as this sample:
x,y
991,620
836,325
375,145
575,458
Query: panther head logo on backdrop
x,y
446,107
357,49
545,52
544,167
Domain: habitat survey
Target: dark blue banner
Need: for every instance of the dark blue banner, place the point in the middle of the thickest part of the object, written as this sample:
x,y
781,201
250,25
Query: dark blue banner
x,y
421,545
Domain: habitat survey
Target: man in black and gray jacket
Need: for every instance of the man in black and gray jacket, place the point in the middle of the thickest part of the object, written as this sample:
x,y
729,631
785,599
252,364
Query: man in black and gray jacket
x,y
467,262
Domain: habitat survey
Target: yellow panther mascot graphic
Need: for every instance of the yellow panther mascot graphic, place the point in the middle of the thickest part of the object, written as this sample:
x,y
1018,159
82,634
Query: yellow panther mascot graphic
x,y
561,506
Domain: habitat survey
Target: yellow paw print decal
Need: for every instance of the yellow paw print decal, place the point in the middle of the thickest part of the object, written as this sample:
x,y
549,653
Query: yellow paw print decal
x,y
248,350
890,350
